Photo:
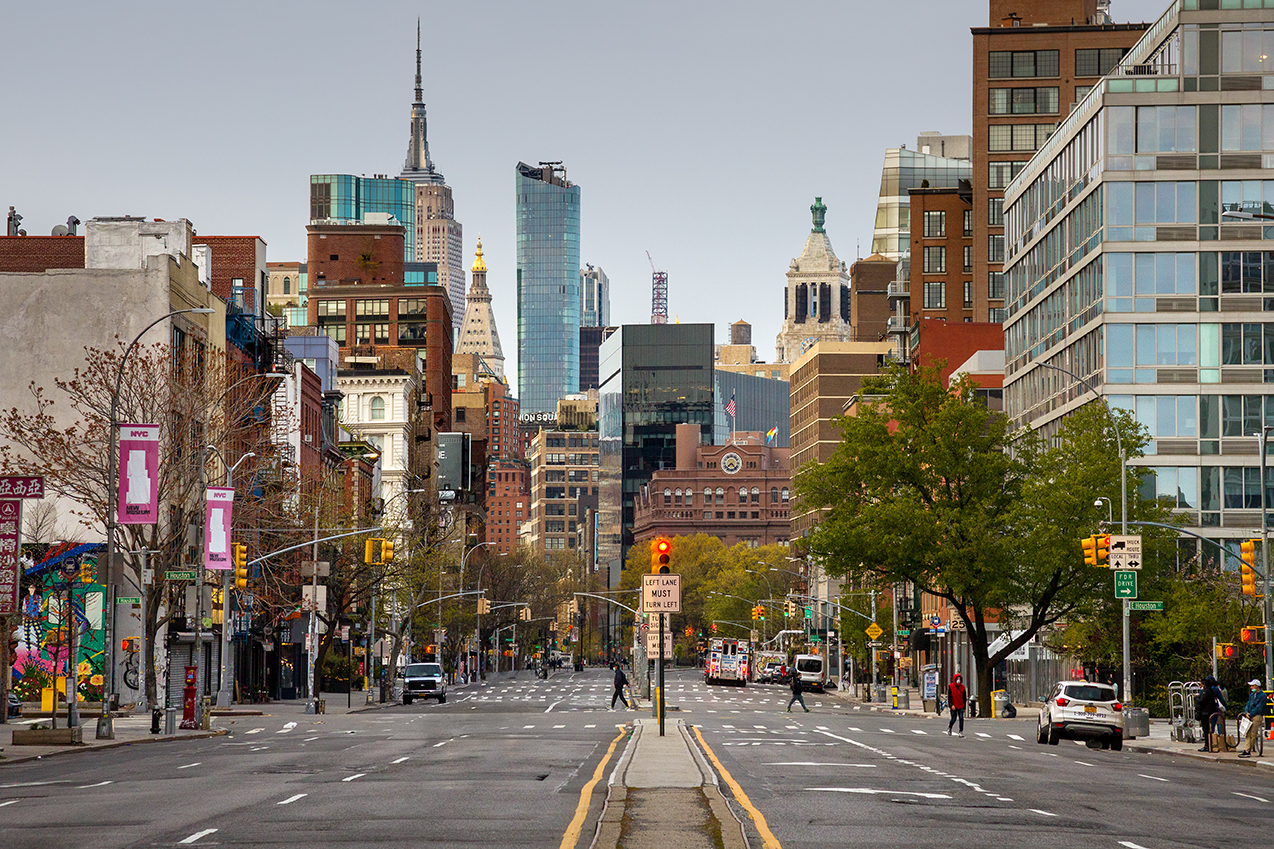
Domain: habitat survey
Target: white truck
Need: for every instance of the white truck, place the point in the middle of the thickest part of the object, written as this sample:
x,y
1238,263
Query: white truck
x,y
727,662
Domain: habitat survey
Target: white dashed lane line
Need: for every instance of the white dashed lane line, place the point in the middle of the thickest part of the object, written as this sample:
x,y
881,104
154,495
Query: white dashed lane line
x,y
1152,777
9,802
1250,796
400,760
289,800
354,776
1041,813
98,784
198,834
188,766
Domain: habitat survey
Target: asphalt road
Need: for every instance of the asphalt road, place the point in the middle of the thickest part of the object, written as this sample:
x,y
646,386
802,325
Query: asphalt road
x,y
504,765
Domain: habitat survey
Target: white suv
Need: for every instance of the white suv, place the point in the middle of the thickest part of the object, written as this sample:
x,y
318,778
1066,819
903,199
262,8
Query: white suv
x,y
1082,710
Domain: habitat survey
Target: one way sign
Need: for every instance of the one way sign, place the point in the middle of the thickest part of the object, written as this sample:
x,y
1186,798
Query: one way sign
x,y
1125,551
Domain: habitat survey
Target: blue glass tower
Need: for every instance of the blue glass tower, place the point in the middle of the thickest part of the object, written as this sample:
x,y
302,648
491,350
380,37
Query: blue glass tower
x,y
548,280
346,198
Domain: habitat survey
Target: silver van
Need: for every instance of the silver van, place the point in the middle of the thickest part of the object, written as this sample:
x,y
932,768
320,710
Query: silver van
x,y
813,671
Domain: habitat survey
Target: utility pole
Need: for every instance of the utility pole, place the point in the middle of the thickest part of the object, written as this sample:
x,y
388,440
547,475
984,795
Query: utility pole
x,y
1265,566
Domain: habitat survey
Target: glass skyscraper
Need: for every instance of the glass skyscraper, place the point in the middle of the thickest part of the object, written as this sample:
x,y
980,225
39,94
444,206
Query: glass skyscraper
x,y
346,198
1138,259
908,169
548,281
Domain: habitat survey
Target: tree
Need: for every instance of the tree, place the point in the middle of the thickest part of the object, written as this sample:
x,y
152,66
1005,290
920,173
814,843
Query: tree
x,y
930,487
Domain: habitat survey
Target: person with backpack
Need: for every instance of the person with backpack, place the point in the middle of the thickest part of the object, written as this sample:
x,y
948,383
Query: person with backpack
x,y
795,683
1207,705
957,695
621,681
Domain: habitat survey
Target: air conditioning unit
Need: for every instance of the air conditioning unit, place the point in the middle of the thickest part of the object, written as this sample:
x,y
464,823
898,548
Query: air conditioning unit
x,y
309,437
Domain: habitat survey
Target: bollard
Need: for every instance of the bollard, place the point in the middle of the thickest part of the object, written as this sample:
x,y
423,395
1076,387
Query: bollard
x,y
106,726
170,721
155,716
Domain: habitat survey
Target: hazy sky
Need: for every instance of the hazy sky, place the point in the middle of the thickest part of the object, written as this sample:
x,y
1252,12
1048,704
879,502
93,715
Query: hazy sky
x,y
698,131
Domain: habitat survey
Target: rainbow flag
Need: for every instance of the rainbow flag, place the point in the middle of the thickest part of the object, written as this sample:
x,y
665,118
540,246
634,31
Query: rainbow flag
x,y
772,434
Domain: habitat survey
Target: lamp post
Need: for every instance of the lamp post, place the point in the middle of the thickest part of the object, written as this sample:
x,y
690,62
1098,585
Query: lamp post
x,y
1106,501
1123,511
105,724
225,690
1265,561
463,561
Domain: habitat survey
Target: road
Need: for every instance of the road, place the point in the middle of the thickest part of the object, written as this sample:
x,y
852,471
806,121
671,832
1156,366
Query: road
x,y
504,765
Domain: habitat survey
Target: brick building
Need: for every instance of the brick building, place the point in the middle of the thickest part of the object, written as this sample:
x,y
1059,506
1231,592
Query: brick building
x,y
869,281
38,254
941,284
739,492
1030,65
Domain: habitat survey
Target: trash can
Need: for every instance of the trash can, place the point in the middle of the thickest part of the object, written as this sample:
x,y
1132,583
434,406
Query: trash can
x,y
999,701
170,721
1136,723
904,699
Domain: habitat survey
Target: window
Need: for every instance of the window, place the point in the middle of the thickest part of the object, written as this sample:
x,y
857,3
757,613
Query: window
x,y
1000,173
720,495
1166,129
371,309
1002,64
774,495
1000,137
995,285
743,495
756,495
378,409
1015,137
287,285
935,297
995,212
1097,62
935,260
935,224
331,309
968,294
784,495
968,258
1242,127
997,315
460,414
1022,101
968,222
335,332
1081,91
995,247
667,497
371,334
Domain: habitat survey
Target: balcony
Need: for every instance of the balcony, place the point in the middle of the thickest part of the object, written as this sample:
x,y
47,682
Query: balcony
x,y
898,290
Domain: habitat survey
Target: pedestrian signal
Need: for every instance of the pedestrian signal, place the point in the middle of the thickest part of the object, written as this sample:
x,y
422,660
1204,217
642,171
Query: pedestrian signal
x,y
1251,635
131,644
1226,651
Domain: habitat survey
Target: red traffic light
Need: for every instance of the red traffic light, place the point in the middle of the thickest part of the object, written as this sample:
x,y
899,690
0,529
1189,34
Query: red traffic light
x,y
662,546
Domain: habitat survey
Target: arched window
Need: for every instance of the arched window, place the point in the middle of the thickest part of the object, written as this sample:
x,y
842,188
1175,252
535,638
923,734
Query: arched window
x,y
378,409
743,495
676,496
720,495
707,496
287,285
774,495
756,495
784,495
667,497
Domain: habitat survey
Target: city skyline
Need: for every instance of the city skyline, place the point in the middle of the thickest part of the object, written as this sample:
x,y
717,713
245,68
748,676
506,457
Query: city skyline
x,y
261,124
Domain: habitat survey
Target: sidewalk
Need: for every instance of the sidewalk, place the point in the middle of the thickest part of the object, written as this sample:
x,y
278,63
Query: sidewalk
x,y
917,705
662,793
1160,742
129,730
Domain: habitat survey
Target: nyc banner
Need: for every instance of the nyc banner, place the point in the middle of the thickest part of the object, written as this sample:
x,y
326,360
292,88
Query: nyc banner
x,y
216,537
138,497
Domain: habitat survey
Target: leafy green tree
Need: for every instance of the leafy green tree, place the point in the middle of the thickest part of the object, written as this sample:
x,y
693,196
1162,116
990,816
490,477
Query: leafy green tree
x,y
931,487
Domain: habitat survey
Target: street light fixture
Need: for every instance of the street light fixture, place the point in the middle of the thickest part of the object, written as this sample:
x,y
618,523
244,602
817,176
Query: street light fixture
x,y
106,724
1109,516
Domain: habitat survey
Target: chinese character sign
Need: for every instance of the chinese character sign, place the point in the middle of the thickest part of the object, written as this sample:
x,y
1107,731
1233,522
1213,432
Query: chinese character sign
x,y
21,487
216,537
138,497
10,567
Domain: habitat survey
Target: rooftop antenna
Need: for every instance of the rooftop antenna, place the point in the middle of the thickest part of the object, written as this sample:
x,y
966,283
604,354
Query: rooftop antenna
x,y
658,294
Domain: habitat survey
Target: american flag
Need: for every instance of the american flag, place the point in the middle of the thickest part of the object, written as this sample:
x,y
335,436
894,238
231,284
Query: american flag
x,y
729,408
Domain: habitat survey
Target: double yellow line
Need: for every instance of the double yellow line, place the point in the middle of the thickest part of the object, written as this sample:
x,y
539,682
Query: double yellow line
x,y
768,840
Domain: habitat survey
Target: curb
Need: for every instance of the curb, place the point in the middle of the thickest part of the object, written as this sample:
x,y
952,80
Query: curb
x,y
1198,756
200,735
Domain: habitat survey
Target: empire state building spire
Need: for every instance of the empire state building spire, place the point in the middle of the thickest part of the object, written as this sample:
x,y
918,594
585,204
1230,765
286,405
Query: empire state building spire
x,y
419,168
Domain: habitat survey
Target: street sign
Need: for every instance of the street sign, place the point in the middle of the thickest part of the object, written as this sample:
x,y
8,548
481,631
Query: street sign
x,y
1125,551
1125,585
661,593
904,633
874,631
1145,605
308,568
21,487
128,599
874,644
754,636
181,575
309,594
652,644
935,620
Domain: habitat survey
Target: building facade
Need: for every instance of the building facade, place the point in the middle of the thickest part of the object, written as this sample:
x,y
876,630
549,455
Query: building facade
x,y
816,299
1134,261
905,170
1031,65
565,476
548,285
286,285
343,199
594,307
590,342
739,492
941,282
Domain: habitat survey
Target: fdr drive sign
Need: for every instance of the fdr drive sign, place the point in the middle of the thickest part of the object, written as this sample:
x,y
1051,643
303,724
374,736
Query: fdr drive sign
x,y
660,593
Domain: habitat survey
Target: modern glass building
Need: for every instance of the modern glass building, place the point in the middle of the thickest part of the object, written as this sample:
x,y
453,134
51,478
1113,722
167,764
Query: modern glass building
x,y
904,170
1134,260
346,199
760,404
594,297
653,377
548,281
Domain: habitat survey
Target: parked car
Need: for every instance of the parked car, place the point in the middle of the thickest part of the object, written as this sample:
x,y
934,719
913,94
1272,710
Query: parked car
x,y
15,705
1082,710
424,681
813,671
769,673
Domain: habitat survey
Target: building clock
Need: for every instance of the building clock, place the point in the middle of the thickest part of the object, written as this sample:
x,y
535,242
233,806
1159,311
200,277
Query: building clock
x,y
731,463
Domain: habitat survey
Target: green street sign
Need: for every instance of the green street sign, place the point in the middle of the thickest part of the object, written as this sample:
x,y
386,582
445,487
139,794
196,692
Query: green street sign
x,y
128,599
903,633
1125,584
1145,605
179,575
815,638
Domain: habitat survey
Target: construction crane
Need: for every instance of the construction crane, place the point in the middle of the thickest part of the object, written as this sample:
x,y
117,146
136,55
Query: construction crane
x,y
658,294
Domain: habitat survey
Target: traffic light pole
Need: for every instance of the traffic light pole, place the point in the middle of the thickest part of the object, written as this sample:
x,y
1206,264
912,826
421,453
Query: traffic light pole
x,y
659,665
1265,563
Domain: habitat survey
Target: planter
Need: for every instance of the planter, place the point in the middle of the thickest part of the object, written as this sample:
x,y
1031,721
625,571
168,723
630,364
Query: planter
x,y
48,736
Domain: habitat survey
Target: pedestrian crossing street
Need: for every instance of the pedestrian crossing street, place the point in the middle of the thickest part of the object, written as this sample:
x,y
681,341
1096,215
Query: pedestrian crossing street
x,y
590,693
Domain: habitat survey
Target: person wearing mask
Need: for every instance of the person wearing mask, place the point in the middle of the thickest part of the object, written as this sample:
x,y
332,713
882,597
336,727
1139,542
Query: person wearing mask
x,y
1254,710
956,697
621,681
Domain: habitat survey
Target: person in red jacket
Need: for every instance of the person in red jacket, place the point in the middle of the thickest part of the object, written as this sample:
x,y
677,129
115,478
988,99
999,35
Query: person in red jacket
x,y
956,695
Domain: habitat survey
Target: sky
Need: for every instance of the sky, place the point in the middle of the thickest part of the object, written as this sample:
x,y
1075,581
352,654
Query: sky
x,y
698,131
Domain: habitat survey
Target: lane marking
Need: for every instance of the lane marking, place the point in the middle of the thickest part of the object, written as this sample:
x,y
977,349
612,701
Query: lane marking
x,y
1250,796
768,840
355,775
308,739
868,791
31,783
286,728
888,730
400,760
1083,763
257,748
289,800
256,731
559,726
816,763
528,726
572,834
98,784
1151,777
188,766
918,731
981,734
10,802
1131,845
590,726
1017,738
1042,813
443,743
198,834
555,704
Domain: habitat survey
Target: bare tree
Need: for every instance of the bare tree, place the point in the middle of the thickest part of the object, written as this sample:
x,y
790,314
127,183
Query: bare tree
x,y
39,524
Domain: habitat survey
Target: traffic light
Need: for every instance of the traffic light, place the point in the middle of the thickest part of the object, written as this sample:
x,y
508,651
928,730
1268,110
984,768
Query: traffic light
x,y
1226,651
790,608
1089,546
387,551
714,626
1247,570
525,614
484,605
760,612
690,632
660,556
370,549
240,557
131,645
574,606
1103,550
1251,635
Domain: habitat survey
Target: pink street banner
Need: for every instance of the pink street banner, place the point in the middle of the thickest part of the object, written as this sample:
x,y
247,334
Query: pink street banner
x,y
138,474
10,565
216,545
21,487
